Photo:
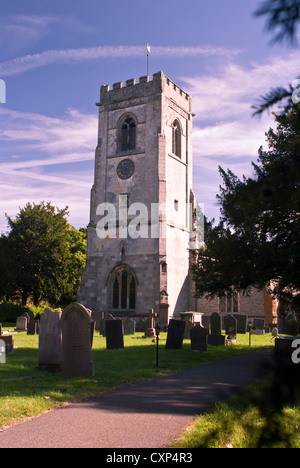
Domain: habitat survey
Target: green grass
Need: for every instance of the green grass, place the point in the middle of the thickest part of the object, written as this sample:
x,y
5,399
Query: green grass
x,y
26,391
252,418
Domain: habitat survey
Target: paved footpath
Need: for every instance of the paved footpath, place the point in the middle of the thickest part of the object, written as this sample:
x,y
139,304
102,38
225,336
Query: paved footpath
x,y
147,415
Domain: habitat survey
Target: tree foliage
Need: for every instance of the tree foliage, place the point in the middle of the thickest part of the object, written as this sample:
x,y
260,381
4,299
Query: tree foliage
x,y
257,240
42,256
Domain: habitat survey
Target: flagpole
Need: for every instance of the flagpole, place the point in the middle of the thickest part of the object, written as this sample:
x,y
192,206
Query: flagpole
x,y
148,53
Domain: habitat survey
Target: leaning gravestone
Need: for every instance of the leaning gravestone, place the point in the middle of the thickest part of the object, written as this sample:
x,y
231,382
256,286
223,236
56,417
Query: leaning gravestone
x,y
216,324
76,341
114,334
175,334
2,352
199,339
50,340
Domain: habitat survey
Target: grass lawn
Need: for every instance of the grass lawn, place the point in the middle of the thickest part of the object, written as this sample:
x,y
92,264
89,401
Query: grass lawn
x,y
26,391
252,418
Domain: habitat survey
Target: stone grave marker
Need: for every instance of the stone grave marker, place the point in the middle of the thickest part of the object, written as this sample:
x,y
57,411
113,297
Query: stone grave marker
x,y
9,343
21,324
33,327
150,332
206,321
128,326
76,341
259,324
114,334
216,324
2,352
230,325
216,340
50,340
242,323
175,334
188,326
199,339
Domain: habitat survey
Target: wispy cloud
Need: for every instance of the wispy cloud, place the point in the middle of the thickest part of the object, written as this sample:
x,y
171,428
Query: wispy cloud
x,y
225,133
30,62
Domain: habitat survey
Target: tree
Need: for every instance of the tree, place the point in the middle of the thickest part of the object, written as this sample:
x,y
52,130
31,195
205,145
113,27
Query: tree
x,y
283,15
45,252
257,240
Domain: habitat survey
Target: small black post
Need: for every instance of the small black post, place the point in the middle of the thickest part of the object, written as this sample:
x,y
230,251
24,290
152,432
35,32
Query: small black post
x,y
157,329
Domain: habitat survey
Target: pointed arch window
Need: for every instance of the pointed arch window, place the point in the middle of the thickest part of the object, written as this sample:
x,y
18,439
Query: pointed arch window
x,y
128,135
123,289
176,138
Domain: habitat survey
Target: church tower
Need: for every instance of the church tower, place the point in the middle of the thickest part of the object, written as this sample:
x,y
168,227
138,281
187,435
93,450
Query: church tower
x,y
138,253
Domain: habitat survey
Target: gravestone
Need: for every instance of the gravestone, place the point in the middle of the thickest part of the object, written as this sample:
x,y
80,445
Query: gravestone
x,y
128,326
98,317
150,332
199,339
50,340
242,322
76,341
216,324
259,324
230,325
9,343
142,325
206,321
21,324
2,352
188,326
175,334
92,331
114,334
33,327
216,340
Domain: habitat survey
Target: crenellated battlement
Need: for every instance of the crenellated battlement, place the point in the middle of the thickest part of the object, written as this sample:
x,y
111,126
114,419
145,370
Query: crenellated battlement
x,y
159,84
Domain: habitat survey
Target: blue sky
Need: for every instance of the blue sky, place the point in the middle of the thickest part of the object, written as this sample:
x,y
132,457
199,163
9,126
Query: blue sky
x,y
55,55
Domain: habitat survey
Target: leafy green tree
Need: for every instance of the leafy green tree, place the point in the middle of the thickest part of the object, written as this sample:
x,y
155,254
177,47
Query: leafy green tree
x,y
46,254
257,240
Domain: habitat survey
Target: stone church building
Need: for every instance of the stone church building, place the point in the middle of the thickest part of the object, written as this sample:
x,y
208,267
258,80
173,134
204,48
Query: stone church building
x,y
143,204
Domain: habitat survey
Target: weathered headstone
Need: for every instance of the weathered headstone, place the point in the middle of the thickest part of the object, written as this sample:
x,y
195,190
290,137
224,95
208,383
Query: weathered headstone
x,y
230,325
21,324
9,343
150,332
206,321
50,340
216,324
33,327
216,340
175,334
242,322
76,341
128,326
114,334
198,339
188,326
259,323
2,352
